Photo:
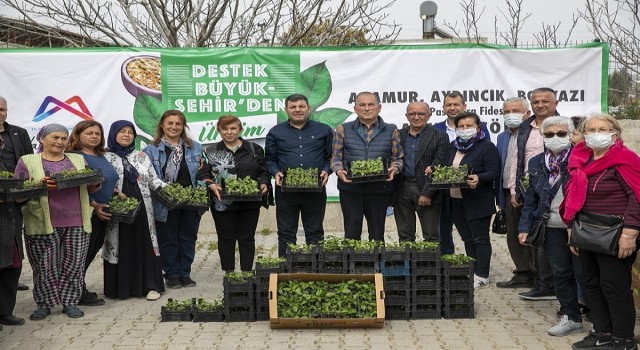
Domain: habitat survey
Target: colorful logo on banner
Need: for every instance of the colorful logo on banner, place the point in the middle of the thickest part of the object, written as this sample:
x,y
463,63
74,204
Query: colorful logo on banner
x,y
82,111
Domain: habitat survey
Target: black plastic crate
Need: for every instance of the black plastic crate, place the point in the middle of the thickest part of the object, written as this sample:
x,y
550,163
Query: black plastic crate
x,y
426,311
397,297
302,261
332,262
390,254
25,193
266,270
426,255
247,286
125,218
237,315
457,270
426,297
262,316
175,316
208,316
397,312
391,283
195,206
262,299
426,282
458,284
239,298
458,297
11,183
458,311
84,179
364,267
159,196
425,271
355,255
395,268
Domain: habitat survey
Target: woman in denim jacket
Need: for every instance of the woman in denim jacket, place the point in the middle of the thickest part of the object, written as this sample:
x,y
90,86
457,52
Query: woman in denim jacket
x,y
176,159
547,176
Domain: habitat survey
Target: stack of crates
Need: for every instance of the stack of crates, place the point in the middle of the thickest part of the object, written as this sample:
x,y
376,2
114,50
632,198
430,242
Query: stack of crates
x,y
458,290
426,291
364,262
332,261
262,288
302,261
239,300
395,267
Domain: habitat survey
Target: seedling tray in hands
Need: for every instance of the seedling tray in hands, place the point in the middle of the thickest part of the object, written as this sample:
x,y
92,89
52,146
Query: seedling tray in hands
x,y
79,180
240,197
375,177
316,187
164,199
24,193
11,183
125,218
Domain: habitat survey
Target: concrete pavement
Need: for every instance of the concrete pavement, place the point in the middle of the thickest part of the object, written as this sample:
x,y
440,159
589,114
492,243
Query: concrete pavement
x,y
503,321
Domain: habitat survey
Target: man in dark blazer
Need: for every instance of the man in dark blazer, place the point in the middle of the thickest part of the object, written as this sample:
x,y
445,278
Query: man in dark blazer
x,y
423,146
15,143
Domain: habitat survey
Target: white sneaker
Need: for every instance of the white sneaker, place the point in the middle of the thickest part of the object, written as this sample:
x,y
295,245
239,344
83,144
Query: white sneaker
x,y
153,295
565,326
479,282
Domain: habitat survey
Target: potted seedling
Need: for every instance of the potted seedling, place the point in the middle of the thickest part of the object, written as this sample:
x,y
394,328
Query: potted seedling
x,y
332,257
369,170
8,182
244,189
363,255
176,310
171,196
208,311
302,258
30,189
77,177
123,209
301,180
445,177
198,199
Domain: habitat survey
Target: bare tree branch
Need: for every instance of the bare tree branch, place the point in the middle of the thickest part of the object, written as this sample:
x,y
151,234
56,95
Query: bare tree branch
x,y
516,20
470,19
204,23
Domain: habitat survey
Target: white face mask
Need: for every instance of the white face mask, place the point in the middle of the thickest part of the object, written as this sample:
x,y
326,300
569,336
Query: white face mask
x,y
466,134
599,140
557,144
512,120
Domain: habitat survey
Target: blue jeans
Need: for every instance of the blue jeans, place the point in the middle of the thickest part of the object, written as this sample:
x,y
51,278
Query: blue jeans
x,y
564,280
177,242
475,235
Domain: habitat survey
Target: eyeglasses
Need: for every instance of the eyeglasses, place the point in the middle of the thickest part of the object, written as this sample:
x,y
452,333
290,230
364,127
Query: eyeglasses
x,y
549,135
416,114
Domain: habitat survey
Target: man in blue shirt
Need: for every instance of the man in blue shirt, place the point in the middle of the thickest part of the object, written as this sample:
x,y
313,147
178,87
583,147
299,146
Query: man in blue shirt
x,y
423,146
299,143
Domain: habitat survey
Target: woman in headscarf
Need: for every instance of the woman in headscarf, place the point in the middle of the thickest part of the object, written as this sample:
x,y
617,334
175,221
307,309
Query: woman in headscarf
x,y
56,227
132,262
176,159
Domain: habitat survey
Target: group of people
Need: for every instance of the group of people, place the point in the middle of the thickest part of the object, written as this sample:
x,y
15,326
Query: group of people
x,y
542,167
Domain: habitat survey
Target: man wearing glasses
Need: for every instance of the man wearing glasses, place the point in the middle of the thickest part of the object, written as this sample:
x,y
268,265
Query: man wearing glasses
x,y
423,146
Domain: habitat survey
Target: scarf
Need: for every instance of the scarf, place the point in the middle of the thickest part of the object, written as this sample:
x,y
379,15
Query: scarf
x,y
130,173
175,158
623,160
465,146
552,162
46,130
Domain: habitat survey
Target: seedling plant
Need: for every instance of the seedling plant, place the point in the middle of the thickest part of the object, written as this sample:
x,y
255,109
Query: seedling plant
x,y
321,299
73,173
298,177
6,174
449,174
122,205
179,305
207,306
269,262
238,277
243,187
367,167
457,259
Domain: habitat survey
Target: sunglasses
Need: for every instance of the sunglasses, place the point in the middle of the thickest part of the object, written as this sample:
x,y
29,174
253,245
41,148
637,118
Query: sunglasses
x,y
549,135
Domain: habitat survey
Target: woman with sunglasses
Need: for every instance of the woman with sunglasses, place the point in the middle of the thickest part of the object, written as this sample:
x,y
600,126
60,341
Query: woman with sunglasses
x,y
547,177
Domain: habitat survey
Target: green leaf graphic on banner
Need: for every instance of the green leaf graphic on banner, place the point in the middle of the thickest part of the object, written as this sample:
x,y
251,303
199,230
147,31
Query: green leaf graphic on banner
x,y
316,84
331,116
147,112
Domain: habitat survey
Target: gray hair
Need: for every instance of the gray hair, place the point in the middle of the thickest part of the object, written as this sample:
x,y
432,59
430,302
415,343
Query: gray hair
x,y
2,99
521,100
607,118
558,120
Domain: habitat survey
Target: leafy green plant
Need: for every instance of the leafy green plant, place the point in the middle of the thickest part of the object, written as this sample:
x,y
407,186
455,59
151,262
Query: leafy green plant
x,y
301,248
32,184
238,277
367,167
457,259
363,246
71,173
299,177
397,246
178,305
269,262
525,181
315,299
198,195
122,205
6,174
244,187
333,244
213,305
424,245
449,174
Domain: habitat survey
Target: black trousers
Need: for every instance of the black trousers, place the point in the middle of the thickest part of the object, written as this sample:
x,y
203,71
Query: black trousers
x,y
8,289
520,254
372,206
236,226
406,207
607,287
96,240
290,206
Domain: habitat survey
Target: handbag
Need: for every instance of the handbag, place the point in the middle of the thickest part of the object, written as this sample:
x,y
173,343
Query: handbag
x,y
499,225
538,233
598,233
